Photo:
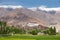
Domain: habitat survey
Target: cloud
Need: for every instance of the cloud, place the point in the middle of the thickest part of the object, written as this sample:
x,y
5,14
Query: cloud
x,y
48,9
33,8
42,7
10,6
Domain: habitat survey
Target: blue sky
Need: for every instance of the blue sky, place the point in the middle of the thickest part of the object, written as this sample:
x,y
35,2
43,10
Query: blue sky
x,y
31,3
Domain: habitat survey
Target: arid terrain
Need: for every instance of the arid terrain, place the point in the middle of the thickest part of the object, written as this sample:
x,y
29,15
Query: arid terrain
x,y
23,15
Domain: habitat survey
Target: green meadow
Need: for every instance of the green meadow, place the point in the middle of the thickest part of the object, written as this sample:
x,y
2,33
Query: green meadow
x,y
30,37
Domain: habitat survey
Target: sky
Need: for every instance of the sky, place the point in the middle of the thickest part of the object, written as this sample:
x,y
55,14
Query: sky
x,y
32,3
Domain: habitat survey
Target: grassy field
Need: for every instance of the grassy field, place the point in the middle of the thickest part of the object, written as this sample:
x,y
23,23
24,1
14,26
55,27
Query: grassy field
x,y
30,37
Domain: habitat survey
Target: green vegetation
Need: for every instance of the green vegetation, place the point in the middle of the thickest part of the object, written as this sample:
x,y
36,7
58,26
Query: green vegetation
x,y
19,31
4,29
50,31
34,31
30,37
14,33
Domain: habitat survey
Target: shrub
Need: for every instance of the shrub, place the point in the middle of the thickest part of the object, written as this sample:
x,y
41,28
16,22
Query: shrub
x,y
45,31
19,31
34,31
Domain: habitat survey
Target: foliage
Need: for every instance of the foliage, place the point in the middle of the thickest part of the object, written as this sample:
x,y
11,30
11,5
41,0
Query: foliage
x,y
45,31
4,29
34,31
50,31
19,31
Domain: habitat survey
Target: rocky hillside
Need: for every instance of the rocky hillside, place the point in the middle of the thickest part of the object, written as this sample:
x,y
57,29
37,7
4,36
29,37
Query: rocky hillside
x,y
23,15
19,16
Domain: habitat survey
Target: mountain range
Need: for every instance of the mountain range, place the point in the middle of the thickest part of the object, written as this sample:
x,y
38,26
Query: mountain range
x,y
16,15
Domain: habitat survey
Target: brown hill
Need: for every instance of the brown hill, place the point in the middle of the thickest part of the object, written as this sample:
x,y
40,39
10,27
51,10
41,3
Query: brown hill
x,y
23,15
19,16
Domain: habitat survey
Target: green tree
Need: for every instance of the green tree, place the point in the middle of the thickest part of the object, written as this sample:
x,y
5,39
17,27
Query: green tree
x,y
50,31
54,31
2,26
4,29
